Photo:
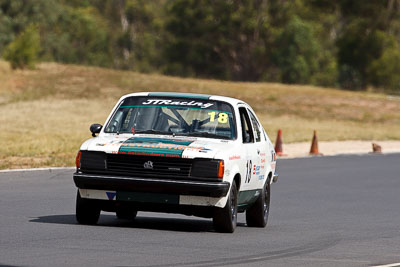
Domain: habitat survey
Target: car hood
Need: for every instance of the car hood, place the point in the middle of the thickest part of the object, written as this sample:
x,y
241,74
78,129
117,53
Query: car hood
x,y
158,145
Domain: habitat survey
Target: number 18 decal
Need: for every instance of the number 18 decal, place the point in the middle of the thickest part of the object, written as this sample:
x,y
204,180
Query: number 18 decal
x,y
248,171
222,117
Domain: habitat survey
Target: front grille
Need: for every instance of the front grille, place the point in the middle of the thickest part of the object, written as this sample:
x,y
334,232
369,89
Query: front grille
x,y
156,166
148,166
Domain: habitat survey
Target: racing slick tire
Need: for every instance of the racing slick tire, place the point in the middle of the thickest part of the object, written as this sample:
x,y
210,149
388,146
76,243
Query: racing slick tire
x,y
257,215
225,219
87,212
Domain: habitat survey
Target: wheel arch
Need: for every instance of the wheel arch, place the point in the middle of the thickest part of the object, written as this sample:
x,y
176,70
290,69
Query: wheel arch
x,y
237,180
269,178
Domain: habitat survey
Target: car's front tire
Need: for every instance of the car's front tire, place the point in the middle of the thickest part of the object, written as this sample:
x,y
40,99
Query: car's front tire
x,y
257,215
87,212
225,219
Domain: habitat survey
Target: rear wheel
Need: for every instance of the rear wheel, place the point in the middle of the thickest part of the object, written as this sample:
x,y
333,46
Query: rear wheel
x,y
257,215
225,219
87,212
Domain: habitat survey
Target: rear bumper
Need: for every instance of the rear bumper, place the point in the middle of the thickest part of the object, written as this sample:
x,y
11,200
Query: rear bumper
x,y
151,185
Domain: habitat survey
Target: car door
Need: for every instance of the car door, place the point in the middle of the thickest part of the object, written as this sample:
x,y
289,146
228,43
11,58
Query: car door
x,y
260,142
250,150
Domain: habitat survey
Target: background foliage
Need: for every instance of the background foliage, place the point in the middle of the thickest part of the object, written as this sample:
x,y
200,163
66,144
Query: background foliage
x,y
352,44
22,52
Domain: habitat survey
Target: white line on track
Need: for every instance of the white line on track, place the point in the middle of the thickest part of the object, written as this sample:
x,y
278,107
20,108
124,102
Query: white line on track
x,y
388,265
330,260
38,169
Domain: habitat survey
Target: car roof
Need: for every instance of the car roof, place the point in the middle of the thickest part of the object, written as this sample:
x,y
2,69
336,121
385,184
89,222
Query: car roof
x,y
232,101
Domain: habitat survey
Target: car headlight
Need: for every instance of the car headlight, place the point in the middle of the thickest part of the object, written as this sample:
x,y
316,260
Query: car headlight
x,y
91,160
207,168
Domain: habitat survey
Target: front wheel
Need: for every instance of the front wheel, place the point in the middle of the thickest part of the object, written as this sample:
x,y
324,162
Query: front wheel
x,y
87,212
257,215
225,219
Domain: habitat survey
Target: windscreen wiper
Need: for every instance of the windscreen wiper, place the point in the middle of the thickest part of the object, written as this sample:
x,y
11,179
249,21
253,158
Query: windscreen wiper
x,y
151,131
205,134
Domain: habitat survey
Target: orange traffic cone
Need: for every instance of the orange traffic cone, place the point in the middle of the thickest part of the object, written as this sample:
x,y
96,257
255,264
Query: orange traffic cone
x,y
278,144
314,145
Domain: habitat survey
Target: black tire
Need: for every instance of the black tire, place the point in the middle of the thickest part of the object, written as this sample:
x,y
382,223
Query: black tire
x,y
225,219
124,213
257,215
87,212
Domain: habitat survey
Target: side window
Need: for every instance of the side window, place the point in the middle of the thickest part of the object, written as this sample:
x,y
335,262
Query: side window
x,y
256,127
115,124
247,131
265,135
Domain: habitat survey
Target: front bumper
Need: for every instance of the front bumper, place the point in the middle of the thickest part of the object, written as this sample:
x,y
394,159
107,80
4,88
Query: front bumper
x,y
151,185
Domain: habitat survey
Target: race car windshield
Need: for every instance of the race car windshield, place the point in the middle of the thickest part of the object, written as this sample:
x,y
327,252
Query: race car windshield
x,y
174,116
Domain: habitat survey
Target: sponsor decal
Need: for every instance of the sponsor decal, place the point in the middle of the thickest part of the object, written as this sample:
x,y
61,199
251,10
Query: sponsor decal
x,y
197,148
234,157
256,170
262,160
111,195
261,177
177,103
203,150
262,154
157,147
112,143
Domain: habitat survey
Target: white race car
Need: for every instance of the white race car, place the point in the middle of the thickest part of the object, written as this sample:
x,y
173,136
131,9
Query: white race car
x,y
191,154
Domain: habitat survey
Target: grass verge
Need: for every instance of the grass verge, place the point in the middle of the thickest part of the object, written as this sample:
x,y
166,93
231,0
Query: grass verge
x,y
45,113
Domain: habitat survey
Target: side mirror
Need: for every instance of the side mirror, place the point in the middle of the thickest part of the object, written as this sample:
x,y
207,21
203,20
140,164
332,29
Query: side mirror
x,y
95,129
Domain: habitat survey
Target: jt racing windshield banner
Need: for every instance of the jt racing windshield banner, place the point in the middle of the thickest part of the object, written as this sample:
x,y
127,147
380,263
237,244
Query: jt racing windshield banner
x,y
149,101
177,103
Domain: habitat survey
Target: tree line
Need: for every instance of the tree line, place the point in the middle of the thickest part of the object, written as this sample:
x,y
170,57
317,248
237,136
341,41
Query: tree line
x,y
350,44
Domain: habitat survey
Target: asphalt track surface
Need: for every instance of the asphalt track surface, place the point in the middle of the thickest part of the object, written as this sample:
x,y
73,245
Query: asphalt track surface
x,y
326,211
